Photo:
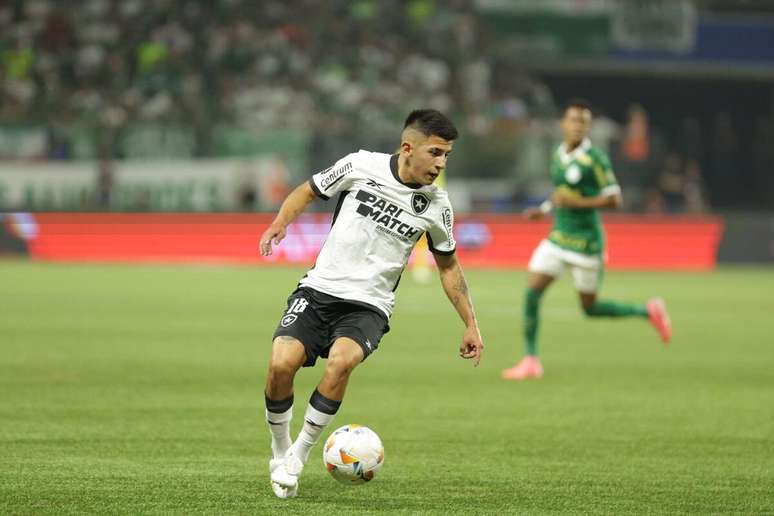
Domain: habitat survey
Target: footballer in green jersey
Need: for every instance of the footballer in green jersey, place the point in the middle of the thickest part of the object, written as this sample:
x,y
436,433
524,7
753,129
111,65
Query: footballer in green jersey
x,y
584,183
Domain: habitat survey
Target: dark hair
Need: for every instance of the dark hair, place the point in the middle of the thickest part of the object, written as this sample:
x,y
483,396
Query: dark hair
x,y
431,122
577,102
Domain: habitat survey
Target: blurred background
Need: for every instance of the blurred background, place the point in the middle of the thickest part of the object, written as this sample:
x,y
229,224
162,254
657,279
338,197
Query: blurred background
x,y
188,106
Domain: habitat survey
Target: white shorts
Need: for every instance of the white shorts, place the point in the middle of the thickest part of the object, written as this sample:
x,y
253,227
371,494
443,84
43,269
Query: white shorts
x,y
550,259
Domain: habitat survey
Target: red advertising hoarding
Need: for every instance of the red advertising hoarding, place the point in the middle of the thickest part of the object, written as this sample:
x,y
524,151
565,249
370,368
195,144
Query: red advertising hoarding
x,y
634,242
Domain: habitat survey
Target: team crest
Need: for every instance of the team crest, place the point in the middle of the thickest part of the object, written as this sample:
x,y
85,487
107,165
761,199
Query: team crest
x,y
573,174
288,320
419,203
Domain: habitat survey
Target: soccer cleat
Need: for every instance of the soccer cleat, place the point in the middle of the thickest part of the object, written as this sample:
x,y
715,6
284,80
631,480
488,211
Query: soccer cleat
x,y
281,491
659,318
528,367
284,492
287,472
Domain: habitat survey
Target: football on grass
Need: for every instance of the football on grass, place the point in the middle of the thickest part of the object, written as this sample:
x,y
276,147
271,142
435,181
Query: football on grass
x,y
353,454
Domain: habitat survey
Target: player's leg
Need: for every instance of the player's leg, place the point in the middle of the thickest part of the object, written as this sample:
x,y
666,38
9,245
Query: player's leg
x,y
299,336
587,283
537,283
355,334
544,267
343,357
287,356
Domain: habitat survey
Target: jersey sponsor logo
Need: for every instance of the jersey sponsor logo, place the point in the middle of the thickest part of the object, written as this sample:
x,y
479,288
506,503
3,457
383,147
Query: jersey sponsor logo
x,y
419,203
334,177
447,224
288,320
572,174
447,221
373,183
384,213
568,241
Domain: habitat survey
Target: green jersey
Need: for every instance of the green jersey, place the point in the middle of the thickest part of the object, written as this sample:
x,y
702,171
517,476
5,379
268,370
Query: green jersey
x,y
584,172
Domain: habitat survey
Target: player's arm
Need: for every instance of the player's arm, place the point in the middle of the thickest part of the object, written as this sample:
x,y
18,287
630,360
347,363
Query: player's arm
x,y
562,199
456,288
609,192
293,205
538,212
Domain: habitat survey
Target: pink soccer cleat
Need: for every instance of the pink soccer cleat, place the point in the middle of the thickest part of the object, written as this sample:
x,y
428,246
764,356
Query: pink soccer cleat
x,y
659,318
528,367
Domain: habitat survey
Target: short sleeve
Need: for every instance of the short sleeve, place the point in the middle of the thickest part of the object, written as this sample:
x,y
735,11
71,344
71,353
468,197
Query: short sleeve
x,y
440,236
335,179
604,176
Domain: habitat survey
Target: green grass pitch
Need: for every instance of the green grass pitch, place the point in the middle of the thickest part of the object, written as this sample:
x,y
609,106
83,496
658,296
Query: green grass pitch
x,y
138,389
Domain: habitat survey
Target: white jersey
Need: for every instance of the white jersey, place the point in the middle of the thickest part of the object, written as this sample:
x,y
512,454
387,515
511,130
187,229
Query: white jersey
x,y
377,222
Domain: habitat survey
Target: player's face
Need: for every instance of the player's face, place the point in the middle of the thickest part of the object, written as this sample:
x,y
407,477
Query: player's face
x,y
427,159
575,125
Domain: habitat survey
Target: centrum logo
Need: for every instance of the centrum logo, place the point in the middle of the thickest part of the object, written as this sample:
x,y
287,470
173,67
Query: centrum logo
x,y
385,213
334,177
447,223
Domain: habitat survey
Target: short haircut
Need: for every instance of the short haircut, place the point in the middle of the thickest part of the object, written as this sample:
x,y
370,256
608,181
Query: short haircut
x,y
577,102
431,122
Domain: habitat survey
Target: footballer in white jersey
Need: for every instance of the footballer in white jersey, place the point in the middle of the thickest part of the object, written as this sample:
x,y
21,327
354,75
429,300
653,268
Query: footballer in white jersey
x,y
377,222
341,308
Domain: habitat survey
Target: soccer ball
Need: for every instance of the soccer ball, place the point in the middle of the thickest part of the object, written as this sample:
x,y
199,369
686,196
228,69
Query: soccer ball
x,y
353,454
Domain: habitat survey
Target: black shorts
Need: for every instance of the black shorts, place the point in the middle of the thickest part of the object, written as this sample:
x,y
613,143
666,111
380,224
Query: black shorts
x,y
317,320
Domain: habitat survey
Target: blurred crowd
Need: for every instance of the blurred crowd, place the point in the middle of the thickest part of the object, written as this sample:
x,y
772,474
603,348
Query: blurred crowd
x,y
100,73
323,66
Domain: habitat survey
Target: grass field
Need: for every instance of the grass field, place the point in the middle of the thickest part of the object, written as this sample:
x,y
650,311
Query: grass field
x,y
139,389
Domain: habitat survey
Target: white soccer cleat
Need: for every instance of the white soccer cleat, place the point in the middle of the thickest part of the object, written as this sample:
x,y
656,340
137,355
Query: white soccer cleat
x,y
284,492
287,472
279,490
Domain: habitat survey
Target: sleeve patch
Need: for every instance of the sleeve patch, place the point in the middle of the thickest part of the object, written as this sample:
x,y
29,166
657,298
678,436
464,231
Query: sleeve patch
x,y
330,178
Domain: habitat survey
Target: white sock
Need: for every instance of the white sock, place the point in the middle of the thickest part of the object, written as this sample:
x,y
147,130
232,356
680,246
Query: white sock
x,y
314,424
279,426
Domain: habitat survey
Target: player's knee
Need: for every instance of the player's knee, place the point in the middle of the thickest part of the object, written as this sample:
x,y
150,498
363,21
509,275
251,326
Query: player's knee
x,y
343,363
588,309
282,366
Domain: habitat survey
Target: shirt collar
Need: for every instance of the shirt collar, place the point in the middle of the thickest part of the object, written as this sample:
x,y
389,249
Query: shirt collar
x,y
566,157
394,170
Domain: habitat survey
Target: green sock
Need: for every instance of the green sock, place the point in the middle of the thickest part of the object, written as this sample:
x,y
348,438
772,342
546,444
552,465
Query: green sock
x,y
615,309
531,320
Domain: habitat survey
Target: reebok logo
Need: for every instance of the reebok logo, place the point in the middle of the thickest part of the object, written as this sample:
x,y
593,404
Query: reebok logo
x,y
373,183
384,213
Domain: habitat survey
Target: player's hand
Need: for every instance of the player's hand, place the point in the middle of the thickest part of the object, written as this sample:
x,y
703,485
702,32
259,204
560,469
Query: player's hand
x,y
533,213
472,345
276,233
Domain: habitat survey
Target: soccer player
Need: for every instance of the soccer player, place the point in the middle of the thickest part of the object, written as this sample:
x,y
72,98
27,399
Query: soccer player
x,y
584,184
341,307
